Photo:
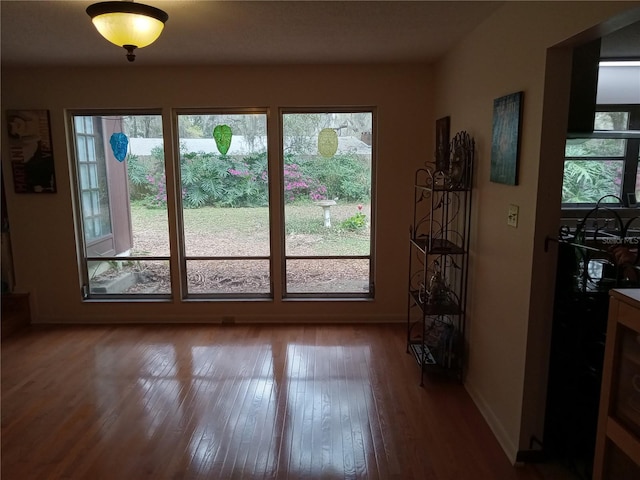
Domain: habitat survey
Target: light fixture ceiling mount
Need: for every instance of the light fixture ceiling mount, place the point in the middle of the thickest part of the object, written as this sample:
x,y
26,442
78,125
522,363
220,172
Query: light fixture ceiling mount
x,y
127,24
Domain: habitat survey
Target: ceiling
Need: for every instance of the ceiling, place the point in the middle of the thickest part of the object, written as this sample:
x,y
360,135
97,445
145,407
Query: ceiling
x,y
237,32
57,32
622,44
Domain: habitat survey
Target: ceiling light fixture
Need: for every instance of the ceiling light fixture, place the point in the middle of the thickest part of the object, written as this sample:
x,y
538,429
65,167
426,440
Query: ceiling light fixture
x,y
127,24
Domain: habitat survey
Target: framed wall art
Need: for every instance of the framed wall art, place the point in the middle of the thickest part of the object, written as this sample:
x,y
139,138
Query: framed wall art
x,y
505,141
30,151
442,143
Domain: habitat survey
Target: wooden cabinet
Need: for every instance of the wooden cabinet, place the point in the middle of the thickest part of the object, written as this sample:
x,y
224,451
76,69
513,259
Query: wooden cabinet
x,y
618,439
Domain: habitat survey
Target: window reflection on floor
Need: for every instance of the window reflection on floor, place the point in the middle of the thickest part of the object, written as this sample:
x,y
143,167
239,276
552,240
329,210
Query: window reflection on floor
x,y
234,406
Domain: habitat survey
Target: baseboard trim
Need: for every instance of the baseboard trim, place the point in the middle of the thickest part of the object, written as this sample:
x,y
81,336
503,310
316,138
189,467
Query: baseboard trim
x,y
494,423
182,319
530,456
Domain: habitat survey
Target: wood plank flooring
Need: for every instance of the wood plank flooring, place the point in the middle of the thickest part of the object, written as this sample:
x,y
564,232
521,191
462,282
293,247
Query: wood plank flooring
x,y
235,402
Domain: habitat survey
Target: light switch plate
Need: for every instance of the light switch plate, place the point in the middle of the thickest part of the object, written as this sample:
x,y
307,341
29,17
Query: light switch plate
x,y
512,216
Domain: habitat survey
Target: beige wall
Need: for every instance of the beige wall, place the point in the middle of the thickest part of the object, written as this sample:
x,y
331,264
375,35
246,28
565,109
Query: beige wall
x,y
42,229
511,277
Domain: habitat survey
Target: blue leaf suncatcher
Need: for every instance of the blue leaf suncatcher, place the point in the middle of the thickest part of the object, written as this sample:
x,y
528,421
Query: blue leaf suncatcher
x,y
119,144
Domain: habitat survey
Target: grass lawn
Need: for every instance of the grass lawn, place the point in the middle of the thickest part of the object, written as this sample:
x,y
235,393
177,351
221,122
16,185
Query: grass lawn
x,y
214,231
244,232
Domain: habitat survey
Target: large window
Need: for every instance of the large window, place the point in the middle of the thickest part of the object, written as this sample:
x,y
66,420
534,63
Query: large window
x,y
217,193
225,203
604,164
123,214
326,187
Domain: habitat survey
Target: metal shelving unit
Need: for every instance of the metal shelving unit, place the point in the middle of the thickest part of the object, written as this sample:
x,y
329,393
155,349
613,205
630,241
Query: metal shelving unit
x,y
438,261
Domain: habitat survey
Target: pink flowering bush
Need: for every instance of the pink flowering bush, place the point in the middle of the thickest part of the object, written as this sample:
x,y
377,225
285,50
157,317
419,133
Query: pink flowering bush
x,y
299,186
209,179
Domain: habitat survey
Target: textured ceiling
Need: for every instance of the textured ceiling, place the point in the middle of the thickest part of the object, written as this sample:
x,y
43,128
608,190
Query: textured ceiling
x,y
622,44
245,32
224,32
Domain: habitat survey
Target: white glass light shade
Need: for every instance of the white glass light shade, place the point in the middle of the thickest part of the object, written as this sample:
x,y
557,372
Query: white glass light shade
x,y
128,24
124,28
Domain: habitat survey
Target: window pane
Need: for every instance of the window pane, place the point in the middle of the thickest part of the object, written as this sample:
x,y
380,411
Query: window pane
x,y
147,185
328,276
150,230
95,201
224,184
83,170
82,149
97,227
129,277
611,121
92,181
87,205
79,124
231,232
90,230
327,176
228,276
586,181
596,147
93,176
88,125
225,199
121,215
91,149
307,233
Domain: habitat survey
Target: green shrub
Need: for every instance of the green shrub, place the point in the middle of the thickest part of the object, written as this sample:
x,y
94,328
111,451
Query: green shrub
x,y
356,222
224,181
586,181
347,177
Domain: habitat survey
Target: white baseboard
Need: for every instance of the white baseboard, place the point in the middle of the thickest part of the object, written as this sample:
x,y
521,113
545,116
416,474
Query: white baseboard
x,y
510,448
219,319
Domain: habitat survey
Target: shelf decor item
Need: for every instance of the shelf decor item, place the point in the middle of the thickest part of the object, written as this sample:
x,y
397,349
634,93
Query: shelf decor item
x,y
437,293
438,260
461,158
453,172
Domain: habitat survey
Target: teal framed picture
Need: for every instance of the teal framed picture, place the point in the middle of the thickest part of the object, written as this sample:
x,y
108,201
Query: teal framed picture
x,y
505,140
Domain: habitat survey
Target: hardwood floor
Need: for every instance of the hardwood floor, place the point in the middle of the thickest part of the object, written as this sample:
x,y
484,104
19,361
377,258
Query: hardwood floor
x,y
235,402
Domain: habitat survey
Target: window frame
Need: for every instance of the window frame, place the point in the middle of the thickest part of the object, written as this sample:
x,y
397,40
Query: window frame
x,y
629,159
83,258
370,294
100,170
177,258
182,255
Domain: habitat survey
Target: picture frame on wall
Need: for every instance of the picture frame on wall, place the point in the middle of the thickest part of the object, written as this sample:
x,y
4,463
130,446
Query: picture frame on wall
x,y
30,151
505,140
443,126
